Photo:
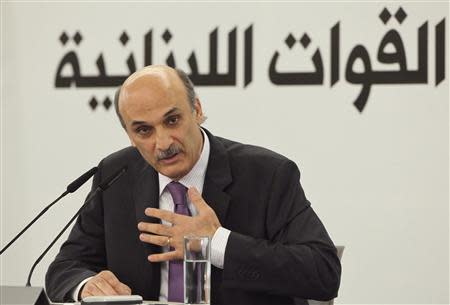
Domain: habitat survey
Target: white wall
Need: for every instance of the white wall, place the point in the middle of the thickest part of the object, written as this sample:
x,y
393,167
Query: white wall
x,y
379,179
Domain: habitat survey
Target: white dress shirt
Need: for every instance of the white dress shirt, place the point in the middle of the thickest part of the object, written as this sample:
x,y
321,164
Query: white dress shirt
x,y
195,178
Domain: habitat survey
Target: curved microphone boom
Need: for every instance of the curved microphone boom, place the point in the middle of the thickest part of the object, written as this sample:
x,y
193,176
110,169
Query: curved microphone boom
x,y
101,188
72,187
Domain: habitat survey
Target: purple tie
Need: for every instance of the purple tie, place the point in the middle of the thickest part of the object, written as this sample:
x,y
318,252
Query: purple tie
x,y
176,291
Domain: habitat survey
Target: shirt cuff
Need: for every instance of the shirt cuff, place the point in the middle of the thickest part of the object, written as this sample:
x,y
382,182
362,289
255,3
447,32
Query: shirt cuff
x,y
76,290
218,245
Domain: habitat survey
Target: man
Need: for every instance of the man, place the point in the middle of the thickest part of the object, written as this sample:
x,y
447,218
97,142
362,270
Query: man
x,y
268,245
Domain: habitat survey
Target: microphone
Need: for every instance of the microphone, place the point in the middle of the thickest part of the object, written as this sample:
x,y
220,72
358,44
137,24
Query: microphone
x,y
75,185
72,187
100,189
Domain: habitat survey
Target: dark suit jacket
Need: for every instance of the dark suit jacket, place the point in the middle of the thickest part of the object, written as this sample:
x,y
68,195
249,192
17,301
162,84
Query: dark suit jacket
x,y
278,247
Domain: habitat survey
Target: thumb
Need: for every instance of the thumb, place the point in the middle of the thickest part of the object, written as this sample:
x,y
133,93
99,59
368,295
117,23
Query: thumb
x,y
196,199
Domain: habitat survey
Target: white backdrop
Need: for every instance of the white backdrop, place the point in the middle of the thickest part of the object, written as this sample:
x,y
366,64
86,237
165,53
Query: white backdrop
x,y
379,179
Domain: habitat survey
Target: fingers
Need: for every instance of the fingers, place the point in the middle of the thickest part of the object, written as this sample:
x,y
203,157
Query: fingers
x,y
155,228
118,286
162,241
203,224
90,289
104,283
167,256
197,199
168,216
123,289
208,223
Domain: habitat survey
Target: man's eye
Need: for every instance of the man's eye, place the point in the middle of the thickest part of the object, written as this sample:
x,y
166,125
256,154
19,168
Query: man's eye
x,y
173,120
143,130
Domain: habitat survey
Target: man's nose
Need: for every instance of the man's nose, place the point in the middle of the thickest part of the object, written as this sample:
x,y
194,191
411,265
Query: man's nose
x,y
163,139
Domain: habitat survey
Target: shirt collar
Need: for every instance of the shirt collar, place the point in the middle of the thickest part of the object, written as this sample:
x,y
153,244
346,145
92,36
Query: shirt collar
x,y
196,177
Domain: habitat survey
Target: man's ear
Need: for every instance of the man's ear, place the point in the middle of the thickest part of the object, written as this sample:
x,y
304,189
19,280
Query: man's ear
x,y
199,117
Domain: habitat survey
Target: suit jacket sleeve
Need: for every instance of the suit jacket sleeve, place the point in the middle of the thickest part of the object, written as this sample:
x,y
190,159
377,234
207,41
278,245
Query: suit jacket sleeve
x,y
297,259
82,255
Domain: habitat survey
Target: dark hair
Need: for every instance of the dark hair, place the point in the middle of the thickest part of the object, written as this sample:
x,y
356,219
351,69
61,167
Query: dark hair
x,y
191,95
116,106
188,85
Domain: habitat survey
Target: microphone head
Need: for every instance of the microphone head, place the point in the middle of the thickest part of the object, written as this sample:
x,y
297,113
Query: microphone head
x,y
75,185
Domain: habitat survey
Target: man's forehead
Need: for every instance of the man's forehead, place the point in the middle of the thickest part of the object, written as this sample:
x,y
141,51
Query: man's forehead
x,y
150,87
161,74
146,82
156,79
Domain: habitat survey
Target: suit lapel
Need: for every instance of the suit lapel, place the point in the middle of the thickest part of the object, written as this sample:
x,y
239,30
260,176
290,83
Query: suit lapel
x,y
218,176
145,195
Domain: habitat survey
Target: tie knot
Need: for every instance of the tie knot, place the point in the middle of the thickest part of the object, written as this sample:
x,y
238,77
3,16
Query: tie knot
x,y
178,192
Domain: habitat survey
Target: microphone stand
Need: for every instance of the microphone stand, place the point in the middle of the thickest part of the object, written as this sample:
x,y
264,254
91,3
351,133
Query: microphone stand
x,y
36,295
101,188
33,221
28,284
72,187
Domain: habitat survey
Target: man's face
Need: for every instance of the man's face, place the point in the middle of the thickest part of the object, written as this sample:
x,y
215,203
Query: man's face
x,y
161,124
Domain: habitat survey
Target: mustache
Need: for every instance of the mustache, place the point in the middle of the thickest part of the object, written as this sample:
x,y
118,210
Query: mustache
x,y
168,153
